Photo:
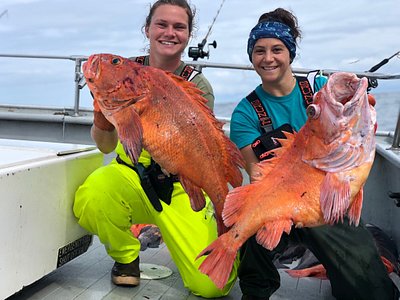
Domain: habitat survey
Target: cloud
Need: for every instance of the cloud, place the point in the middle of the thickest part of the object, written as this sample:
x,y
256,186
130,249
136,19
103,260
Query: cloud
x,y
352,35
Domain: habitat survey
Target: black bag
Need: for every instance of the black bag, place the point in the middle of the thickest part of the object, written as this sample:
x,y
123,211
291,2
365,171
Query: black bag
x,y
162,184
154,182
267,141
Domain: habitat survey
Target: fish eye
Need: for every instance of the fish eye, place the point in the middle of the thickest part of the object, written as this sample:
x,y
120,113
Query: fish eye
x,y
116,61
313,111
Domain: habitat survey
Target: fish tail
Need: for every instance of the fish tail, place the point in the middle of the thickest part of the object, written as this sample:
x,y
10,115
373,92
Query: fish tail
x,y
317,271
218,264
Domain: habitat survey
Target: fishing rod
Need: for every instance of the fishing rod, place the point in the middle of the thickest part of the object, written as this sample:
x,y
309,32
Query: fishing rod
x,y
383,62
198,52
373,83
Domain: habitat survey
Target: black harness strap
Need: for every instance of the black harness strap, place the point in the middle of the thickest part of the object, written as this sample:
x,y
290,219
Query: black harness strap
x,y
188,72
265,121
305,89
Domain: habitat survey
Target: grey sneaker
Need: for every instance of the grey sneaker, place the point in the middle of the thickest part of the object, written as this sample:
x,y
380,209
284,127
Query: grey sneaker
x,y
126,274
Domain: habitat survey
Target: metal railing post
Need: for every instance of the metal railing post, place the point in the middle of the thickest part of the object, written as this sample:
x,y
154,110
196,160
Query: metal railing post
x,y
396,137
78,77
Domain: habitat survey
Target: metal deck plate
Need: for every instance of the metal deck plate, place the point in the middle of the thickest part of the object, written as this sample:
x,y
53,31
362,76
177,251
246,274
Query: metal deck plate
x,y
151,271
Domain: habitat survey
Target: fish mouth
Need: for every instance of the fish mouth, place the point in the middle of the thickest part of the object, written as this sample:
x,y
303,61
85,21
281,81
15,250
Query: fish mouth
x,y
109,104
346,89
91,69
346,93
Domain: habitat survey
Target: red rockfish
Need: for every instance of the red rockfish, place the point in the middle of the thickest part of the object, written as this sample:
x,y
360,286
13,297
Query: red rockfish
x,y
167,116
315,178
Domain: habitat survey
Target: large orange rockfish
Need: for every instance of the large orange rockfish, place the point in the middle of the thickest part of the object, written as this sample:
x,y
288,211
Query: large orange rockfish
x,y
167,116
315,178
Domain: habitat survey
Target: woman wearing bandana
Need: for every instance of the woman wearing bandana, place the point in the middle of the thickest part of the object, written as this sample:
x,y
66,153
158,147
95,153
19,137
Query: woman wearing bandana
x,y
347,252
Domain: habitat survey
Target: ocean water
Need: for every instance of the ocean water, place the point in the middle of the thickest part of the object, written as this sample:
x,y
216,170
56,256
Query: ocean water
x,y
387,110
45,83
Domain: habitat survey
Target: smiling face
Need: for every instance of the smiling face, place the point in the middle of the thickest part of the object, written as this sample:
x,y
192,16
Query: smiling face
x,y
168,31
271,60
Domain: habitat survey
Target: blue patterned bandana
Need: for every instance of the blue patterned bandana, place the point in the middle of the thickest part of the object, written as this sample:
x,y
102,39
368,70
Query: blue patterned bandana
x,y
272,30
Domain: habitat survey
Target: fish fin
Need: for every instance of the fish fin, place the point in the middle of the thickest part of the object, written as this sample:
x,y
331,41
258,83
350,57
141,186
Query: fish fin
x,y
233,162
270,234
317,271
334,198
287,142
219,261
263,168
195,94
354,212
189,87
130,131
198,202
232,156
196,195
221,227
233,203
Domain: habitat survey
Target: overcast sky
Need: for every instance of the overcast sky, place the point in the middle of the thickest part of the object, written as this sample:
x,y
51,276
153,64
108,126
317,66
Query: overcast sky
x,y
351,35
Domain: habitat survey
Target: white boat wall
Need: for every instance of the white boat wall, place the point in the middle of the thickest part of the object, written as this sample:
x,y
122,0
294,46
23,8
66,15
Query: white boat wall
x,y
38,181
54,144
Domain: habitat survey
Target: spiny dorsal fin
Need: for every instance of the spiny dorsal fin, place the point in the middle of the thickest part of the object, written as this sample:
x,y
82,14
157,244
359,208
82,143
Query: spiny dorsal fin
x,y
195,94
189,87
232,173
263,168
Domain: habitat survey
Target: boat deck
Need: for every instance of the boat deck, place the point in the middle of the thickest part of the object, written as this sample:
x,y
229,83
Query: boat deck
x,y
88,277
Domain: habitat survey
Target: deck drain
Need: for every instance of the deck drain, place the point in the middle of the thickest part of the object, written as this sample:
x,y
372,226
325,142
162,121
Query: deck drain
x,y
151,271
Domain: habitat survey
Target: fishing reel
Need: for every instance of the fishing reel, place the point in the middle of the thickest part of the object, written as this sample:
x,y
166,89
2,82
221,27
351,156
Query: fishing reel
x,y
372,83
198,52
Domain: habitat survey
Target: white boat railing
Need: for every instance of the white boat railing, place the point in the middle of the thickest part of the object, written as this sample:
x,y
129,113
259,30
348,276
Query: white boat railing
x,y
80,80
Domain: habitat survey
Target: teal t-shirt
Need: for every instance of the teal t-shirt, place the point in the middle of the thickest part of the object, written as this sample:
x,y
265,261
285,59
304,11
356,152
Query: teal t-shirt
x,y
245,126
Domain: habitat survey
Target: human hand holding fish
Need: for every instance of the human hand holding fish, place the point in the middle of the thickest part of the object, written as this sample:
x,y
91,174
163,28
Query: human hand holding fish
x,y
371,100
315,178
167,116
